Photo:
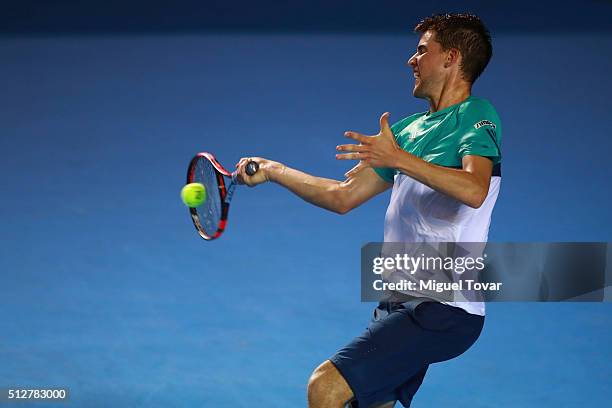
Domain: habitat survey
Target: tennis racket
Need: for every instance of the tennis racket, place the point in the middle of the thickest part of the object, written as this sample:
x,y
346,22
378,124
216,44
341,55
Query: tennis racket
x,y
210,218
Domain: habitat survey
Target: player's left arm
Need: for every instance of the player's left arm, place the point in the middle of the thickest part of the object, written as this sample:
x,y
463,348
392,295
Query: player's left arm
x,y
470,184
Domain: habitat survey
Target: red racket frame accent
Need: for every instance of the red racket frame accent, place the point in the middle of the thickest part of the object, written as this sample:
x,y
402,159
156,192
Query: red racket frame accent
x,y
220,173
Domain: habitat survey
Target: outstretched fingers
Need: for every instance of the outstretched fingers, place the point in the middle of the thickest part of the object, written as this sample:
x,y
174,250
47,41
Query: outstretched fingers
x,y
352,148
363,139
353,156
360,166
384,122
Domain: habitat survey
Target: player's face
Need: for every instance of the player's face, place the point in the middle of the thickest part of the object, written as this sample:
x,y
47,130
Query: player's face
x,y
428,66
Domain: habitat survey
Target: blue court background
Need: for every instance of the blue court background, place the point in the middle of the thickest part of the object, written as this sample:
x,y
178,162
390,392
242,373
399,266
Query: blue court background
x,y
106,288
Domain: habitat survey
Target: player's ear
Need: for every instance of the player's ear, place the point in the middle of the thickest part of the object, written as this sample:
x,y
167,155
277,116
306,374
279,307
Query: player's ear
x,y
452,57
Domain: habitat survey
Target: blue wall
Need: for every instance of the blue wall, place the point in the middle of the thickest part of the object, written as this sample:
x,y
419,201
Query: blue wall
x,y
107,289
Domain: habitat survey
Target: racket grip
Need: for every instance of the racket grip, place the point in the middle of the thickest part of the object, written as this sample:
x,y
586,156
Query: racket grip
x,y
251,168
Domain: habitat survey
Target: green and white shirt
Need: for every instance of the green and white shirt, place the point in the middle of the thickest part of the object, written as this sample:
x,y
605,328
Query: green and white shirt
x,y
417,213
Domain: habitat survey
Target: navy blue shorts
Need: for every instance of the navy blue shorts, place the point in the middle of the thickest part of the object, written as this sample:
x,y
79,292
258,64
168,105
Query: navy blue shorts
x,y
389,361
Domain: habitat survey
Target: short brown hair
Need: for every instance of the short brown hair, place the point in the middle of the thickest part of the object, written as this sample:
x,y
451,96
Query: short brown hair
x,y
465,32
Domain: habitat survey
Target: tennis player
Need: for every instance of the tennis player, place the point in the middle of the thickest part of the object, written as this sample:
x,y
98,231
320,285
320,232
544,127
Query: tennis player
x,y
444,168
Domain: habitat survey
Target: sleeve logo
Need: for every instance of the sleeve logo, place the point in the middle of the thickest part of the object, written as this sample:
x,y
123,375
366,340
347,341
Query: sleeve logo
x,y
484,123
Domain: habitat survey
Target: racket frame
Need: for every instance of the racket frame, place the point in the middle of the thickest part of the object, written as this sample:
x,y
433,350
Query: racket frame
x,y
225,193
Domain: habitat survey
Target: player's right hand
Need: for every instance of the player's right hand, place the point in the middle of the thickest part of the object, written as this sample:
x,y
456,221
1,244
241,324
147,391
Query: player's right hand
x,y
261,176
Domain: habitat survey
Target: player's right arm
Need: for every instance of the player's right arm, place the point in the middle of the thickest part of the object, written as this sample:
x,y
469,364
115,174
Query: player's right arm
x,y
333,195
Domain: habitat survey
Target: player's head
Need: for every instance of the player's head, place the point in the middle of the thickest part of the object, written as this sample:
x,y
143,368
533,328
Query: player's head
x,y
451,46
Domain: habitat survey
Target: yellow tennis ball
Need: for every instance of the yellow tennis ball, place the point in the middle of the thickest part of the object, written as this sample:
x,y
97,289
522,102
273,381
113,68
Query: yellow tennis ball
x,y
193,195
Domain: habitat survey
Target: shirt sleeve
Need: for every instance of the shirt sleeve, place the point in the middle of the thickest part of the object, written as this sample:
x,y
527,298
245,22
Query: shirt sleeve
x,y
481,132
385,173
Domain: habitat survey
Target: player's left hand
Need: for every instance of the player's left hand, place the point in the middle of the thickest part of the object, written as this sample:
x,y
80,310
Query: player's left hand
x,y
380,150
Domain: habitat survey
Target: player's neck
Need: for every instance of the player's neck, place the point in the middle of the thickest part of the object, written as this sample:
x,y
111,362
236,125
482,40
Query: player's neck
x,y
448,96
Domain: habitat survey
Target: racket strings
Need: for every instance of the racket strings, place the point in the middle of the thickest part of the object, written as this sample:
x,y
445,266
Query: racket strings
x,y
209,213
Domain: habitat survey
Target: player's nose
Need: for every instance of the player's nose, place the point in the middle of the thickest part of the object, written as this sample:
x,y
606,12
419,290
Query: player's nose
x,y
411,61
